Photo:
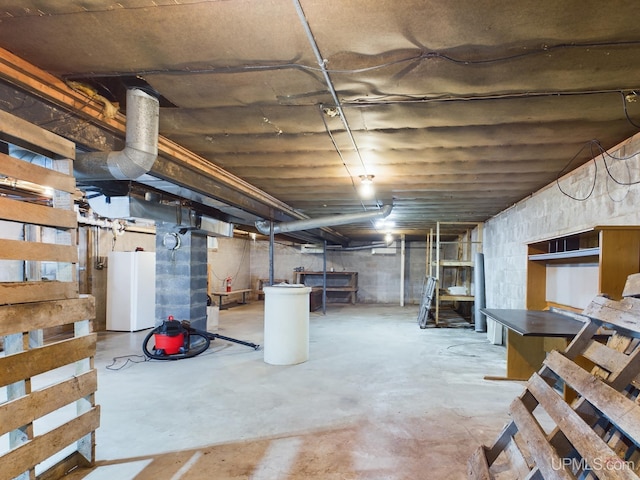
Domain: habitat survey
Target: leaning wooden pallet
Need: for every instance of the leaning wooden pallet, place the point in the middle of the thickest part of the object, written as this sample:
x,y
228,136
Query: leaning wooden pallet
x,y
39,293
597,435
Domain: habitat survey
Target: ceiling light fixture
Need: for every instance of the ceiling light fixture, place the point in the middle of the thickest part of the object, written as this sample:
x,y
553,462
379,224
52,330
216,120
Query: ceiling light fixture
x,y
331,112
366,186
385,224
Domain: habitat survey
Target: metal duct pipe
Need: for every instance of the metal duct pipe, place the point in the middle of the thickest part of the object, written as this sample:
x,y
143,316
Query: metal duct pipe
x,y
297,225
141,144
178,215
358,247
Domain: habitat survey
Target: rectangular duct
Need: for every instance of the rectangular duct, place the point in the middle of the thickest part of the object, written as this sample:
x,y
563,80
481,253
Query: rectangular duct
x,y
176,215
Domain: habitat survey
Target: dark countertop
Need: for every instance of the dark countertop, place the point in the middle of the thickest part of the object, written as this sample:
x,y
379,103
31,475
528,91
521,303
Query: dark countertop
x,y
536,323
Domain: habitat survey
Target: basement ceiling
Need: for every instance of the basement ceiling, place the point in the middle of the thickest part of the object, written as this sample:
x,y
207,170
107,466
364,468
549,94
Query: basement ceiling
x,y
458,109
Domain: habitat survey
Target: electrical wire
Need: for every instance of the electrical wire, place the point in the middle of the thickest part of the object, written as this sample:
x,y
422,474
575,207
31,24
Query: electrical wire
x,y
422,55
604,154
464,345
591,144
610,193
595,144
344,163
339,152
244,254
393,99
624,107
129,359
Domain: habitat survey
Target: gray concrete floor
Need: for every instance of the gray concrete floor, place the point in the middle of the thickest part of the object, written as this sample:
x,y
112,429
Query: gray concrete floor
x,y
379,398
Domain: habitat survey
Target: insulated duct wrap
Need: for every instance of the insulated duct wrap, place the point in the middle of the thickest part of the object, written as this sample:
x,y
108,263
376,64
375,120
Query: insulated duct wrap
x,y
311,223
141,145
177,215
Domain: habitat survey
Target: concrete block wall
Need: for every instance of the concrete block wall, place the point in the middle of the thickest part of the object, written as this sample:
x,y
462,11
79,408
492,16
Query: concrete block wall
x,y
550,212
378,275
181,277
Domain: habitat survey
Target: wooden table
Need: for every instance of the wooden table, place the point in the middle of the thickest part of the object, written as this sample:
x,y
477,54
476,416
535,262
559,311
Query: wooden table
x,y
243,291
530,335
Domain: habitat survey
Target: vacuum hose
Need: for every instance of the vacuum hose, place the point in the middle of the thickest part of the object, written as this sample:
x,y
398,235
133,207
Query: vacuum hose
x,y
174,341
192,348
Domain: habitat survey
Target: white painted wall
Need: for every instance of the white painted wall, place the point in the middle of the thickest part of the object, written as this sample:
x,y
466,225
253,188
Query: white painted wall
x,y
549,212
231,259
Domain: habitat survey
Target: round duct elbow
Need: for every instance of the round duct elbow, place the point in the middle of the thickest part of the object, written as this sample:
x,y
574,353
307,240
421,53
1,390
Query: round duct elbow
x,y
141,144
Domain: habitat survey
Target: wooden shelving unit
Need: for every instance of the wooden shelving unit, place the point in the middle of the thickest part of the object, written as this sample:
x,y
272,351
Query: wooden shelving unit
x,y
614,251
566,273
342,287
452,265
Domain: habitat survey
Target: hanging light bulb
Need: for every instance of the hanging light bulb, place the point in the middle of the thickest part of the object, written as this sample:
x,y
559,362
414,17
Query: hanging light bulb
x,y
388,238
366,186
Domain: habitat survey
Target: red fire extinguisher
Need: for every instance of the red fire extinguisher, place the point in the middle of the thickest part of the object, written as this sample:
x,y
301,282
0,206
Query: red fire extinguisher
x,y
228,283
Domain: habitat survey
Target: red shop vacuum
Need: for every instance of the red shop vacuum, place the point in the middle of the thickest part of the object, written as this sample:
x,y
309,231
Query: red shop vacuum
x,y
174,340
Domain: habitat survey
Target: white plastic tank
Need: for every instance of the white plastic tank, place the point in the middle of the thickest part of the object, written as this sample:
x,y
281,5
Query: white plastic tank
x,y
213,318
286,324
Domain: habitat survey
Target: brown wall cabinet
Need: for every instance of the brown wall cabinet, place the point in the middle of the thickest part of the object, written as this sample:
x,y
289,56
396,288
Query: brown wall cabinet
x,y
613,250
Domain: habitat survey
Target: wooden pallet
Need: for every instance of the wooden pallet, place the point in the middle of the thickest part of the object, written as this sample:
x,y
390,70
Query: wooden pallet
x,y
32,304
595,436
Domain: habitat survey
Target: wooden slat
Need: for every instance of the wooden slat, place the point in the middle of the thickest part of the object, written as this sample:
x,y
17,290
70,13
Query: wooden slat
x,y
620,410
478,468
516,458
584,439
24,134
501,442
544,455
19,366
601,355
33,316
24,410
623,315
582,340
44,446
47,177
23,292
24,212
632,286
621,377
37,251
73,467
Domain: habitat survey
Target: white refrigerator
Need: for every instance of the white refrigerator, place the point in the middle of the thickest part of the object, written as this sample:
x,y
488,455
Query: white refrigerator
x,y
131,291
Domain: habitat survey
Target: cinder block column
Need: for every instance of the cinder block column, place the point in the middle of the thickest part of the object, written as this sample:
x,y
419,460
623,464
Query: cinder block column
x,y
181,275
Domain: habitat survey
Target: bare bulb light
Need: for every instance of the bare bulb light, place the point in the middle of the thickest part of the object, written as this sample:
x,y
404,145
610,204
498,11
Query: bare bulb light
x,y
366,186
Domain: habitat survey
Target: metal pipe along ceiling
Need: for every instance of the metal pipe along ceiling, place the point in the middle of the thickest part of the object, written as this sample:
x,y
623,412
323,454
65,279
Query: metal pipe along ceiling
x,y
264,226
325,73
141,144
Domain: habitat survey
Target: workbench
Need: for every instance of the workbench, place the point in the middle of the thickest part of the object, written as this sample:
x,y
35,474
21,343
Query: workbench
x,y
530,335
220,295
342,287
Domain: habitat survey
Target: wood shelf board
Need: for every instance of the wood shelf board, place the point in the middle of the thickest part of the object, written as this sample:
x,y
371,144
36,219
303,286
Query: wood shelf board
x,y
457,298
456,263
329,274
569,254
